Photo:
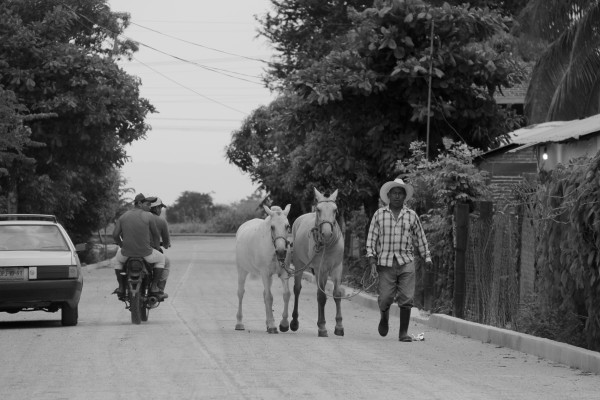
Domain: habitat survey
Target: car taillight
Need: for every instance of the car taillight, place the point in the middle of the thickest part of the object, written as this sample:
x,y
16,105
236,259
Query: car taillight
x,y
48,272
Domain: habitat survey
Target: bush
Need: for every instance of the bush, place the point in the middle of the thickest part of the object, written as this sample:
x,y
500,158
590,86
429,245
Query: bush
x,y
536,317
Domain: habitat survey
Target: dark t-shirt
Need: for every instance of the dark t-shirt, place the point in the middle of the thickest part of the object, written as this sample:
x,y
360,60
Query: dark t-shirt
x,y
135,231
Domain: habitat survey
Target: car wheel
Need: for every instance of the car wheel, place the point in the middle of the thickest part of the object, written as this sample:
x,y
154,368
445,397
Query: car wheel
x,y
69,315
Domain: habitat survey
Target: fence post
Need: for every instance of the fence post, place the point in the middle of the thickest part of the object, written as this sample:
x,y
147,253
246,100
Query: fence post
x,y
486,215
461,221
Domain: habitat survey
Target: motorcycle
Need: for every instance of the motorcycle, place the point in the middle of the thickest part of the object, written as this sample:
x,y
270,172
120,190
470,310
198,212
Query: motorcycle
x,y
138,298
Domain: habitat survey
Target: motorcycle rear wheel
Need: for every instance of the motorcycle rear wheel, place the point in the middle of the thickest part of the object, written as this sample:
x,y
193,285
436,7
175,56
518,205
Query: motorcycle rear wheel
x,y
144,311
135,307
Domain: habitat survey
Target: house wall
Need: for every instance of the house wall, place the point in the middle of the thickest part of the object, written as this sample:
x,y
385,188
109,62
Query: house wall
x,y
506,170
562,153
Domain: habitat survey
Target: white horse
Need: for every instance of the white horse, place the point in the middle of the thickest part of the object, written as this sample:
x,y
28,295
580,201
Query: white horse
x,y
319,244
261,248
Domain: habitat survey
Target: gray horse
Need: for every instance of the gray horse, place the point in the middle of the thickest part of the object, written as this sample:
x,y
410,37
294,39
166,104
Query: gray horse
x,y
261,248
318,244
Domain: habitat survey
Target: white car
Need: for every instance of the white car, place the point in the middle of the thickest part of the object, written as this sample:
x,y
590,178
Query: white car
x,y
39,267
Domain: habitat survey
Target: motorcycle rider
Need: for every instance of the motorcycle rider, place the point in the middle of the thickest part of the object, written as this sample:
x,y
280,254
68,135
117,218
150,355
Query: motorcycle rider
x,y
164,240
133,233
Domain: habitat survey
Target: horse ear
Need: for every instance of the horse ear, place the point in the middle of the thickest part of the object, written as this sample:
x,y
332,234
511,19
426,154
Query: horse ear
x,y
287,210
268,210
318,195
334,195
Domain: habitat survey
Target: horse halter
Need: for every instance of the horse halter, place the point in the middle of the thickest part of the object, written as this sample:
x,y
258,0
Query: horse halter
x,y
320,224
316,231
274,239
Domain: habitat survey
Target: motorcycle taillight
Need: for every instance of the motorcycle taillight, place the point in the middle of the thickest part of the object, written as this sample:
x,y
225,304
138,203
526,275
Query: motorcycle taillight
x,y
135,266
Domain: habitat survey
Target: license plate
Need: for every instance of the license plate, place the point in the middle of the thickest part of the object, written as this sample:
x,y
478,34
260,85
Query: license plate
x,y
12,274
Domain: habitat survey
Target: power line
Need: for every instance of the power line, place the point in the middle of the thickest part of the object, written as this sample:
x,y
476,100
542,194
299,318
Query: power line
x,y
200,45
216,70
190,89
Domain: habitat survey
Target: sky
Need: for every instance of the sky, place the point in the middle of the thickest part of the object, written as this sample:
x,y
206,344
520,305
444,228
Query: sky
x,y
200,66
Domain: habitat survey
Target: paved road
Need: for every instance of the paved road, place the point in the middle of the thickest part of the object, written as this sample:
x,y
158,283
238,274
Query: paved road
x,y
190,350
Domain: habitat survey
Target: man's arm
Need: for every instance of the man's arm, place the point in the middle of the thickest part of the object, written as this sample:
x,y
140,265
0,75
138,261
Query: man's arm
x,y
154,233
371,244
421,240
117,233
164,234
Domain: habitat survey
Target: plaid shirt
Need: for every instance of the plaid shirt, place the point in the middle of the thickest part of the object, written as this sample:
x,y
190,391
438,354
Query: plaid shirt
x,y
389,237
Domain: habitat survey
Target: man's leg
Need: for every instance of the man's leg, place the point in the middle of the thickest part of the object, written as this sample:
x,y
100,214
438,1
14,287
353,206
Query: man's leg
x,y
406,294
165,274
158,259
387,292
118,261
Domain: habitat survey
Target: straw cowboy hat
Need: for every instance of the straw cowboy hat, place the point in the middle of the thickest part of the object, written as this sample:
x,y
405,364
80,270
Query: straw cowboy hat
x,y
386,187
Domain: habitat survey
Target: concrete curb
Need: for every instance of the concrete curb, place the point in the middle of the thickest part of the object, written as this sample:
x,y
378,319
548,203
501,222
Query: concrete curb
x,y
563,353
572,356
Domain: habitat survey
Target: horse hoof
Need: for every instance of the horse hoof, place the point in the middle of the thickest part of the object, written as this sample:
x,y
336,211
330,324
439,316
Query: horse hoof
x,y
283,328
239,327
339,331
323,333
272,330
294,325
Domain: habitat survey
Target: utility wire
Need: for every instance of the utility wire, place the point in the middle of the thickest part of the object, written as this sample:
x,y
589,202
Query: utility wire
x,y
200,45
188,88
216,70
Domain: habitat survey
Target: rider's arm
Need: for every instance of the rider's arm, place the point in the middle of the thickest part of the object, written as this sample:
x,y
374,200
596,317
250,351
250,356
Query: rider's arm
x,y
117,233
164,234
154,234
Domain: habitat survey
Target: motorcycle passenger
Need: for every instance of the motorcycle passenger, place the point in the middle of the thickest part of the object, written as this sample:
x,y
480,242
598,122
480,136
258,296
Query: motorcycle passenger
x,y
133,233
164,240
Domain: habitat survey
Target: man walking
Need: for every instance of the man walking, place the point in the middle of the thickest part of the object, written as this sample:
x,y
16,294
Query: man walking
x,y
394,233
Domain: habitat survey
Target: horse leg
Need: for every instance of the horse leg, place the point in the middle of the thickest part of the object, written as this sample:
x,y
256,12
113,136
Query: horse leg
x,y
267,279
242,274
321,300
284,325
297,288
337,297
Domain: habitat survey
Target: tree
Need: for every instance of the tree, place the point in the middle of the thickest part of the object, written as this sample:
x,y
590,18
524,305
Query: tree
x,y
565,82
191,207
59,56
345,120
14,137
301,31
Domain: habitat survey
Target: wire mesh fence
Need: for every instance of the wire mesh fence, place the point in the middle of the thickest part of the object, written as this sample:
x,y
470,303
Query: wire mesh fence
x,y
491,270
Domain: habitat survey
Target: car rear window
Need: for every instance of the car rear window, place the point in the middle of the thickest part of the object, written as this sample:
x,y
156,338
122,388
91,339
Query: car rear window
x,y
32,237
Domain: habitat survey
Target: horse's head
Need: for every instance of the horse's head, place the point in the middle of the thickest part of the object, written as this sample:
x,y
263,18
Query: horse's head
x,y
280,229
326,211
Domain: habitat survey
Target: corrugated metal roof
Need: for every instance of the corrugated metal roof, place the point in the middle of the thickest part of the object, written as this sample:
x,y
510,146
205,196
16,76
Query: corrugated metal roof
x,y
555,131
533,132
